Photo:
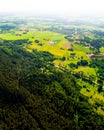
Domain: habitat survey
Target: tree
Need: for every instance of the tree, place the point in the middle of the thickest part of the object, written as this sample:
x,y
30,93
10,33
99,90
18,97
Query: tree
x,y
82,63
36,41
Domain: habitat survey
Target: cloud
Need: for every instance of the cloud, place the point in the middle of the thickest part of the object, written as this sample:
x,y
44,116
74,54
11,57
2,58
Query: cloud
x,y
53,6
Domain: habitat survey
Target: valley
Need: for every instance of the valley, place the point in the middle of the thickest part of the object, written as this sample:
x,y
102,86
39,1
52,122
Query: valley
x,y
51,73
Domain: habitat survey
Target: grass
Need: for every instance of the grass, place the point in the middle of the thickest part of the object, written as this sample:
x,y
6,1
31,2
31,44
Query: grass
x,y
45,38
100,111
9,36
102,49
86,70
78,47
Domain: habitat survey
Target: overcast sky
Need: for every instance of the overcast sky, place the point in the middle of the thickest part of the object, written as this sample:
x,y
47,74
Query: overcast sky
x,y
73,7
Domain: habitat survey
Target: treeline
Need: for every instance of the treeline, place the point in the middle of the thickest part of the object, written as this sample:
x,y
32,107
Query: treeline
x,y
7,27
96,43
98,32
99,63
12,42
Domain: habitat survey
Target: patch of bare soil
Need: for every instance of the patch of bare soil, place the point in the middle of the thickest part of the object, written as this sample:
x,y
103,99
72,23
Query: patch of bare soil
x,y
67,45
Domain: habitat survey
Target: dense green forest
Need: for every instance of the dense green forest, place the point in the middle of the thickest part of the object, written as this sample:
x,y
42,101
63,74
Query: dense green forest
x,y
37,93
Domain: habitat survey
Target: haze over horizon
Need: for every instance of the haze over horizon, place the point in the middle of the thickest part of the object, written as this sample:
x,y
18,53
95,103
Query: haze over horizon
x,y
63,7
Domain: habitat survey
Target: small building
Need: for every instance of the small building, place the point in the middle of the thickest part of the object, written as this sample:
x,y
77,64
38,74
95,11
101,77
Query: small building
x,y
90,55
51,42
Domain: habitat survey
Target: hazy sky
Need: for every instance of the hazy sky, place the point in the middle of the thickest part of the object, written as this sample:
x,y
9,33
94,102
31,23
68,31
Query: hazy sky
x,y
73,7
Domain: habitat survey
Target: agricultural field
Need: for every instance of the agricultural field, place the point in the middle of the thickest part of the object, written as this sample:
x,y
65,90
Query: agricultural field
x,y
59,61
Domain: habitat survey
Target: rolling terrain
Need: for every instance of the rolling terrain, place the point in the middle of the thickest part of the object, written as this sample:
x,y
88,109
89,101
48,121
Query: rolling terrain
x,y
51,73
